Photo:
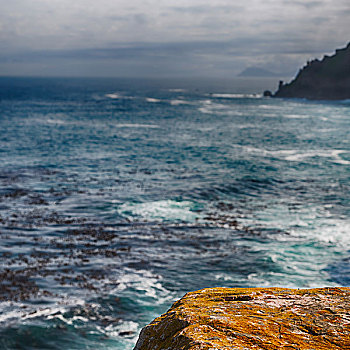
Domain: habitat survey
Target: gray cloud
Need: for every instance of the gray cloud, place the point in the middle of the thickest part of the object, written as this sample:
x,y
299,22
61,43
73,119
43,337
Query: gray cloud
x,y
309,4
151,37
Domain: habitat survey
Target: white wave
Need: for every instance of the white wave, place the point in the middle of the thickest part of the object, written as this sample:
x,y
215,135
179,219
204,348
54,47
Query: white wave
x,y
113,330
58,121
24,312
113,96
296,116
179,102
294,155
12,314
142,280
309,222
152,100
116,96
327,130
150,126
229,96
338,159
228,112
245,126
316,239
69,321
160,210
269,107
335,154
148,285
209,107
50,118
206,110
177,90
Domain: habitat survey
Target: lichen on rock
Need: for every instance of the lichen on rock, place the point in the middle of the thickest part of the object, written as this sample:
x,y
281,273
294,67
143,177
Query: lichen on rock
x,y
253,318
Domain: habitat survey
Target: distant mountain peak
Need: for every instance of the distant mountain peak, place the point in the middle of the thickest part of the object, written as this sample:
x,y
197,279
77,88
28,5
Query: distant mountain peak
x,y
256,72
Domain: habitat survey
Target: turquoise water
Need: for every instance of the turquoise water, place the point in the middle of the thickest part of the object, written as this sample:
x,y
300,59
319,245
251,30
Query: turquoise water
x,y
119,196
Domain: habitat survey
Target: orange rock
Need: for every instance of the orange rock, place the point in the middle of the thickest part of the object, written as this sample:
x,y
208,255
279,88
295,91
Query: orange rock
x,y
253,318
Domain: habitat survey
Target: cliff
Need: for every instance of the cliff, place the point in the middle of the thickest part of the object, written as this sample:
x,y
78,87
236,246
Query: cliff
x,y
328,79
253,318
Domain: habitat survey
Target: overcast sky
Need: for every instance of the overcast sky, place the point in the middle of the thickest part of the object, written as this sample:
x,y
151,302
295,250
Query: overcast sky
x,y
166,37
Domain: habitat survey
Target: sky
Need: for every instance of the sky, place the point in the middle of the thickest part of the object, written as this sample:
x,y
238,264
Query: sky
x,y
167,38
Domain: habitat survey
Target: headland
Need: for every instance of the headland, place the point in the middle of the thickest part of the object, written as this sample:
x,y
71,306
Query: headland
x,y
326,79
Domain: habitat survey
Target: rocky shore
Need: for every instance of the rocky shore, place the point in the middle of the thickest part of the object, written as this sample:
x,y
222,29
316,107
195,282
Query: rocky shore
x,y
253,318
326,79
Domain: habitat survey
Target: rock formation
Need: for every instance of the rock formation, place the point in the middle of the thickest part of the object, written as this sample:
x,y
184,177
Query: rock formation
x,y
328,79
253,318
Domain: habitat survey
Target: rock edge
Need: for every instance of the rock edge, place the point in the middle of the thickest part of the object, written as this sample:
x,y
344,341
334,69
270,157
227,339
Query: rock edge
x,y
253,318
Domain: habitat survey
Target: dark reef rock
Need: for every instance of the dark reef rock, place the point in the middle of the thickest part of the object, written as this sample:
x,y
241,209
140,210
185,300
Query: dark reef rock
x,y
328,79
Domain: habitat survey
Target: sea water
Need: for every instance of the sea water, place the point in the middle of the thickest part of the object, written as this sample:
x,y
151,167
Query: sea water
x,y
119,196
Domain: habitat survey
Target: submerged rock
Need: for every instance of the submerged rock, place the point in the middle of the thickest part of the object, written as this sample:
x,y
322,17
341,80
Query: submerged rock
x,y
328,79
253,318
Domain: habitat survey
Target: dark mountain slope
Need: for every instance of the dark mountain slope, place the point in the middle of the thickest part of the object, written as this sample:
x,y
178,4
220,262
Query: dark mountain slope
x,y
328,79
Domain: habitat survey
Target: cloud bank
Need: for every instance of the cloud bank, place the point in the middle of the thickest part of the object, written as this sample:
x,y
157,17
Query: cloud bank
x,y
166,38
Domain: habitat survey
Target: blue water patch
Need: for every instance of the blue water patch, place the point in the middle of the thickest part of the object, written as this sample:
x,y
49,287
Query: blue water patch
x,y
118,196
340,271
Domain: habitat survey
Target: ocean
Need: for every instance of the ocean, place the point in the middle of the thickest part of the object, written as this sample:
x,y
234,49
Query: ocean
x,y
118,196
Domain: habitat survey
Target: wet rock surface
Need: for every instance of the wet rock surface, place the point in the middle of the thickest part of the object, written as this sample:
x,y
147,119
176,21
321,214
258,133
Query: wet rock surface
x,y
253,318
